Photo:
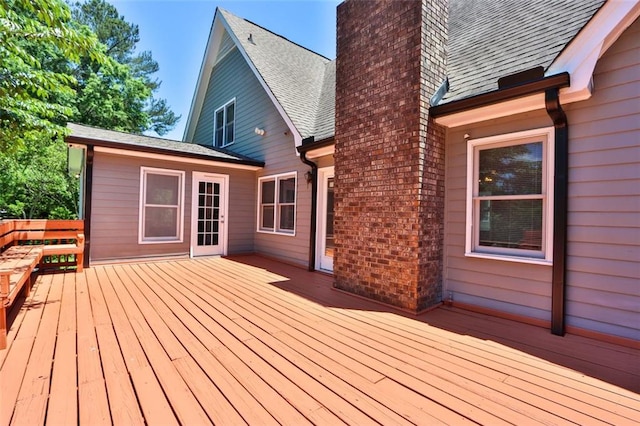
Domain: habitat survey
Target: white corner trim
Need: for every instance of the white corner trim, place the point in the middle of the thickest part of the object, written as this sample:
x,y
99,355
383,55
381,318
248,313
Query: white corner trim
x,y
208,61
174,158
580,56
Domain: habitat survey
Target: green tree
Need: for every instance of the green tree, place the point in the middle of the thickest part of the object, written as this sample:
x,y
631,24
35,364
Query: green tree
x,y
34,98
55,69
35,184
40,44
120,98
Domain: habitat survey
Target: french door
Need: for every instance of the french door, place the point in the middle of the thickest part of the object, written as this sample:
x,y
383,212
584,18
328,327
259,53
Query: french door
x,y
208,214
324,239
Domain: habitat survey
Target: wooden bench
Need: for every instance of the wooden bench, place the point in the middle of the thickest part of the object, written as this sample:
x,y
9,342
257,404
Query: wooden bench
x,y
24,245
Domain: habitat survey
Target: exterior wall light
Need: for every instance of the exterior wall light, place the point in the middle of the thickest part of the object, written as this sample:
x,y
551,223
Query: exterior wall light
x,y
259,131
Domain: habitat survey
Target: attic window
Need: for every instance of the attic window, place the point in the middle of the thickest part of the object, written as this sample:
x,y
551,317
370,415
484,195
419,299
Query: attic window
x,y
224,132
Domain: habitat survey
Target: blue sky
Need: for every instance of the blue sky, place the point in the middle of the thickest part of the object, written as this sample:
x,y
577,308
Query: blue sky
x,y
176,33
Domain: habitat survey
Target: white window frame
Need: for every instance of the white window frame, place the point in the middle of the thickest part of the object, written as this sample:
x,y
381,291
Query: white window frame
x,y
144,171
472,248
223,108
276,210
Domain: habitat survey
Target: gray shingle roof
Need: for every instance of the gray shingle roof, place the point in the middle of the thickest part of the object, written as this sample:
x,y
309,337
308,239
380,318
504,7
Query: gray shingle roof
x,y
103,137
489,39
294,74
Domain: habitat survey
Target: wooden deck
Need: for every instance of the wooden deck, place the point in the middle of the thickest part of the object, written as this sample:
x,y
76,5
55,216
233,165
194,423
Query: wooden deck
x,y
247,340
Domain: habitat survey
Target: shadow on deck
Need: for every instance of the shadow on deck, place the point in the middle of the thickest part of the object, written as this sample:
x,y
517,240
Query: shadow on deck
x,y
612,363
253,341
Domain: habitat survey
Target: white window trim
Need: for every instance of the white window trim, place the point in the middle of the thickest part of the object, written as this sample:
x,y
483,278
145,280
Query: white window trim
x,y
513,255
141,209
224,121
276,217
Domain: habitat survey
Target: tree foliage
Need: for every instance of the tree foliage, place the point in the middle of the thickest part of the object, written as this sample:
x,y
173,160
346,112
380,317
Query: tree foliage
x,y
120,98
35,184
60,64
34,98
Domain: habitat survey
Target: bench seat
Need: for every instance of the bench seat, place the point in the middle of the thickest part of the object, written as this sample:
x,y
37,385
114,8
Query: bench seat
x,y
16,266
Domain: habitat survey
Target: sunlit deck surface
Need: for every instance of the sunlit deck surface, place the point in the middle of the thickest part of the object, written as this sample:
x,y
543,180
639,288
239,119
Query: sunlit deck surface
x,y
250,340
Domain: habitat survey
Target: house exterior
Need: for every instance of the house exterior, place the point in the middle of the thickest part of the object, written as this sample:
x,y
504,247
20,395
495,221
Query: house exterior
x,y
483,154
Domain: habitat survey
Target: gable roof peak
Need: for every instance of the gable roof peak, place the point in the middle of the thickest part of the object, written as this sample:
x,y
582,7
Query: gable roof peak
x,y
292,76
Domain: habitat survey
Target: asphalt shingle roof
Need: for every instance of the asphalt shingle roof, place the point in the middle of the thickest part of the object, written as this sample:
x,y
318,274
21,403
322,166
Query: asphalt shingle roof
x,y
149,143
294,74
489,39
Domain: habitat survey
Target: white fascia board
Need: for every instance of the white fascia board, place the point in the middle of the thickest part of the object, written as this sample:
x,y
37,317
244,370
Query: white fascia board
x,y
321,152
580,56
174,158
502,109
208,61
579,59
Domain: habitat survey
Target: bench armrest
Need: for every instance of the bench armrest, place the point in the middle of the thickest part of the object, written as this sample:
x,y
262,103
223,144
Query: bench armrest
x,y
4,284
80,240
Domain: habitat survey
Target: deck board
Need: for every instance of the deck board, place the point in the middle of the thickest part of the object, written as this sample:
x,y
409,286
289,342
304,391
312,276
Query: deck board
x,y
248,340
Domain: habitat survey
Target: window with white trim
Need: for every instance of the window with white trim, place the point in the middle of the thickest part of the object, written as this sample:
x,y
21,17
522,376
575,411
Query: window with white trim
x,y
510,196
161,205
225,122
277,203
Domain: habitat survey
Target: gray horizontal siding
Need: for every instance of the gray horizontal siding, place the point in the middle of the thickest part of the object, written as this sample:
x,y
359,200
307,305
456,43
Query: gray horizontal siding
x,y
232,78
604,196
603,278
515,288
115,208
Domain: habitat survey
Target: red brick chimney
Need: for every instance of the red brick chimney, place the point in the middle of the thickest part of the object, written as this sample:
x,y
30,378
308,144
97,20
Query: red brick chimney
x,y
389,154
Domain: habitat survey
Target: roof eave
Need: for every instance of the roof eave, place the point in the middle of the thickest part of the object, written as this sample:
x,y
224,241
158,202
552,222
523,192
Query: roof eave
x,y
580,55
161,151
454,113
211,51
577,60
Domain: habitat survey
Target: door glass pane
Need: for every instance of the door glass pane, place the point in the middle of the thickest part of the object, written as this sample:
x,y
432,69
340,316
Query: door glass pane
x,y
208,213
329,220
511,224
511,170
